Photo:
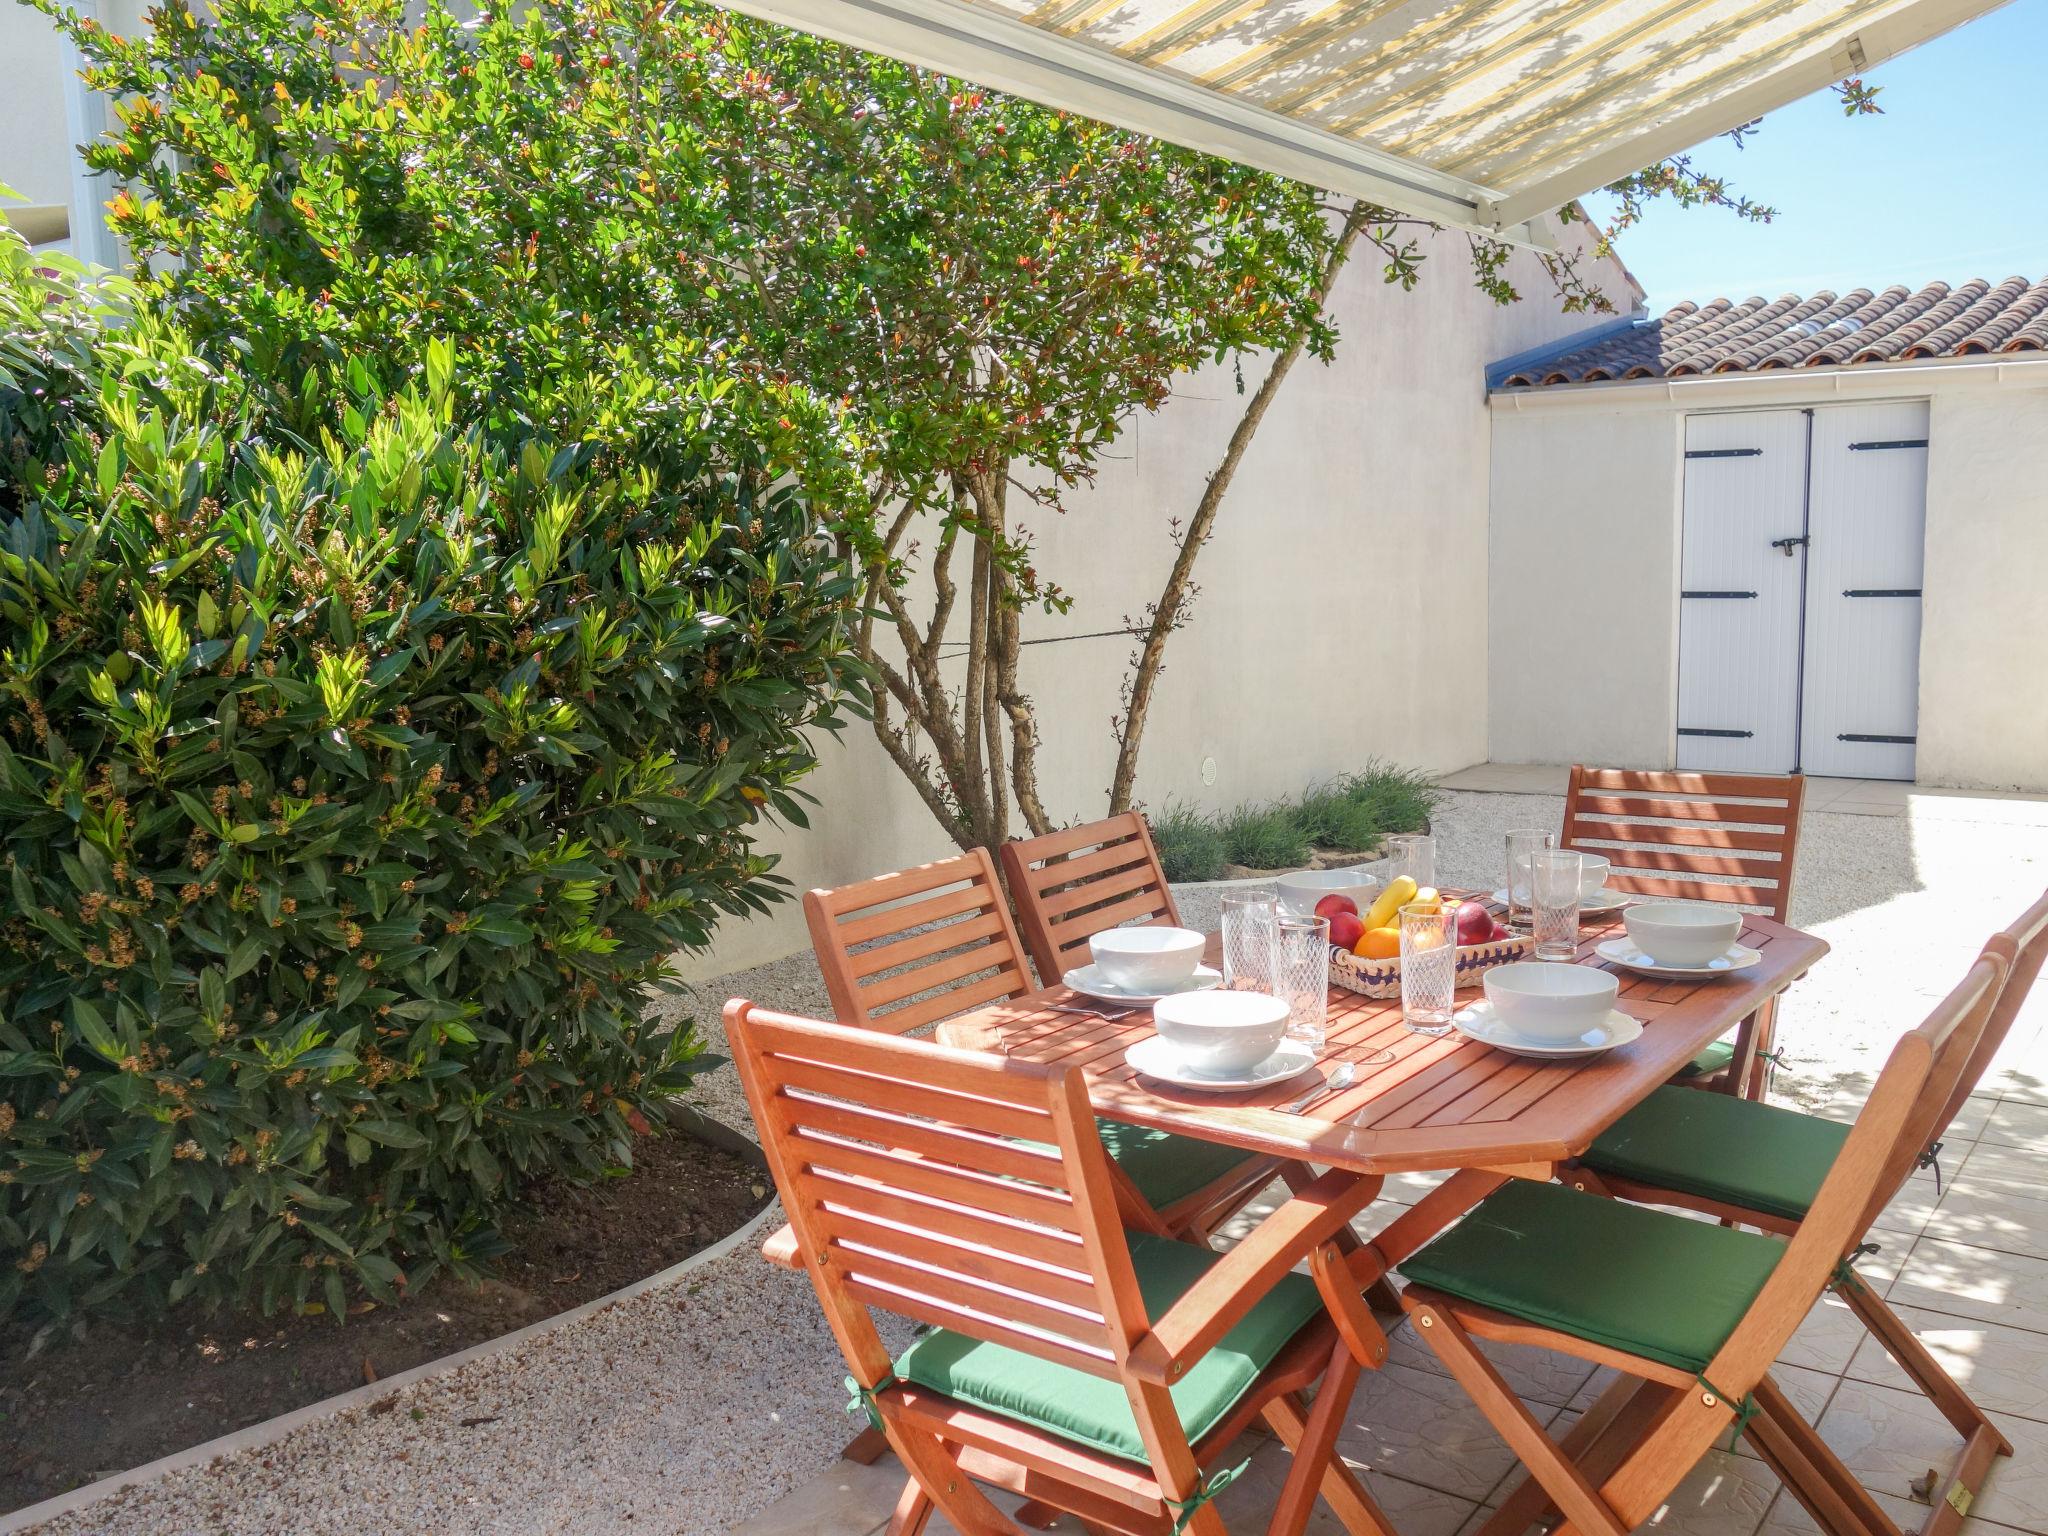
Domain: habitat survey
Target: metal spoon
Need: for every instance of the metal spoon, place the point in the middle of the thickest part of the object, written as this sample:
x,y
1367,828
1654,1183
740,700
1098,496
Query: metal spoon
x,y
1339,1079
1091,1013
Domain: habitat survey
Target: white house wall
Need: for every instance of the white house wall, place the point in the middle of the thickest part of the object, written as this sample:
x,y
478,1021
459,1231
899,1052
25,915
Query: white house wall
x,y
1984,623
1582,607
1586,502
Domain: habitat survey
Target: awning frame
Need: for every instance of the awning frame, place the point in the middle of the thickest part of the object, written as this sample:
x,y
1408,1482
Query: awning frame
x,y
1007,55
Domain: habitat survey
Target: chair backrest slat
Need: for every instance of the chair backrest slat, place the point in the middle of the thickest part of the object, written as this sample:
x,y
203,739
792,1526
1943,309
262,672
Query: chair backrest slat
x,y
1073,884
2029,938
1735,840
1841,1213
960,1190
905,950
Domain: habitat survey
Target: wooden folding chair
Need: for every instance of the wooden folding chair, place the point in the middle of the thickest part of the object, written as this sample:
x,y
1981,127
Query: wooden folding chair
x,y
1724,850
1760,1166
1093,1372
903,951
1691,1314
1071,885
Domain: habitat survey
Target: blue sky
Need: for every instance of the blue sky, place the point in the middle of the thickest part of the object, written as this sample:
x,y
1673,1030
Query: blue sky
x,y
1947,184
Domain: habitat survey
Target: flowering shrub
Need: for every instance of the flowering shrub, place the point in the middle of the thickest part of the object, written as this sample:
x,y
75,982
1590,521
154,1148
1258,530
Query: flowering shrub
x,y
353,791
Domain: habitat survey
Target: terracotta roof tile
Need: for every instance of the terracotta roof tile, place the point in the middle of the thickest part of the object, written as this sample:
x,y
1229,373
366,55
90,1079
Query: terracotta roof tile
x,y
1823,330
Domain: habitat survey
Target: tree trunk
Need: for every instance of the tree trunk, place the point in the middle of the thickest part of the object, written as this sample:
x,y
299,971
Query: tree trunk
x,y
1169,612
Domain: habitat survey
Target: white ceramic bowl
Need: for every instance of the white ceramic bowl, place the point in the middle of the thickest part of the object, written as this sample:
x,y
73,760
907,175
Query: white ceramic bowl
x,y
1593,869
1547,1001
1299,892
1682,932
1221,1032
1147,959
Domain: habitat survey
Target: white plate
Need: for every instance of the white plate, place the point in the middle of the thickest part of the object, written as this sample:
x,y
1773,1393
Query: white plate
x,y
1155,1057
1606,901
1623,952
1480,1023
1089,981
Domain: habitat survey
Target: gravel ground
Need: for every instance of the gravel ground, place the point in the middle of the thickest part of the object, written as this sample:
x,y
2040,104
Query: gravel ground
x,y
695,1404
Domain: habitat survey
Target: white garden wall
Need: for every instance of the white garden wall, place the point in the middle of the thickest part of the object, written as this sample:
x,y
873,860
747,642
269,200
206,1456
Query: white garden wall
x,y
1586,506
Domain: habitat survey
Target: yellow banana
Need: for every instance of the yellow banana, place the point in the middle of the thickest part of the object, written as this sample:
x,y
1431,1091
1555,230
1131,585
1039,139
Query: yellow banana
x,y
1391,901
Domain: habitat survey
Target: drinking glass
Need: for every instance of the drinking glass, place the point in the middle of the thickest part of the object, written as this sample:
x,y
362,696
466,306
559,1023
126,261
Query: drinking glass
x,y
1523,846
1429,966
1301,975
1248,922
1554,900
1412,854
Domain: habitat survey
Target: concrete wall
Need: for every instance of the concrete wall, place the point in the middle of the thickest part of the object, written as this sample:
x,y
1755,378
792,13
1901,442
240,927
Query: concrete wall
x,y
1586,502
1984,625
35,141
1582,604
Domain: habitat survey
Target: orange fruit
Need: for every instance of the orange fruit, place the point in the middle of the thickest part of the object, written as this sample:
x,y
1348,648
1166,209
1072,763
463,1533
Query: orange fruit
x,y
1379,944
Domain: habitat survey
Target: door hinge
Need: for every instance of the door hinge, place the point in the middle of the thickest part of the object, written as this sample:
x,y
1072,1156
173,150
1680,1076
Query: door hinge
x,y
1890,741
1701,730
1717,594
1901,442
1880,591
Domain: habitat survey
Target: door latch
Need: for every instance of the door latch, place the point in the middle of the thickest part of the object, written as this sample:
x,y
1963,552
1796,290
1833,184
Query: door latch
x,y
1786,545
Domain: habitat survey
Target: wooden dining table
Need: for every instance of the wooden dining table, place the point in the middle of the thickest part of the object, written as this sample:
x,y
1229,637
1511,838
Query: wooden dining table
x,y
1440,1104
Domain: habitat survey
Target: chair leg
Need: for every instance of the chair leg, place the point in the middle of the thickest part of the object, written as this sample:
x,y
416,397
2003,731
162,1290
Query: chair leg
x,y
1598,1443
1913,1358
913,1511
951,1491
1965,1482
867,1447
1315,1450
1341,1490
1581,1502
1757,1079
1812,1470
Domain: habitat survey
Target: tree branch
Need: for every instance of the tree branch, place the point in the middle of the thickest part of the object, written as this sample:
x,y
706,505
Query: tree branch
x,y
1167,613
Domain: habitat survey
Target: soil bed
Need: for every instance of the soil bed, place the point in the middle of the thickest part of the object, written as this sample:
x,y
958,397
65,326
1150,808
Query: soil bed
x,y
126,1393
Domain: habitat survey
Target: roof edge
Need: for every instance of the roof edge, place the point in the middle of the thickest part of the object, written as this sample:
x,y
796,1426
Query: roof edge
x,y
1495,372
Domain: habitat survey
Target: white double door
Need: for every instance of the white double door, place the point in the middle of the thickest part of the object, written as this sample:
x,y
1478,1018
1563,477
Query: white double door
x,y
1799,577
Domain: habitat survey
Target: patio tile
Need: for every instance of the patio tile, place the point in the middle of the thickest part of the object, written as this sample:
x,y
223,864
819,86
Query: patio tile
x,y
1788,1517
1827,1339
846,1499
1535,1375
2014,1124
1413,1510
1993,1218
2004,1369
1849,807
1890,1439
1723,1495
1961,1280
1422,1427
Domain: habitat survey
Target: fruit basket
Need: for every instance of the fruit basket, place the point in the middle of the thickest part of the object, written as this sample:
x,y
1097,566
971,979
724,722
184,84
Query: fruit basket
x,y
1382,978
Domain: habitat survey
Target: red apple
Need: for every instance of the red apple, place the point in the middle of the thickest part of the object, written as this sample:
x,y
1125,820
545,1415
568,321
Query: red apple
x,y
1335,903
1346,928
1475,924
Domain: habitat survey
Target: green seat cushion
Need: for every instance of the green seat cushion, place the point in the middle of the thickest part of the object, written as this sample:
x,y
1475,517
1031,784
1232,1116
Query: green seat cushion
x,y
1643,1281
1166,1167
1710,1060
1722,1148
1092,1410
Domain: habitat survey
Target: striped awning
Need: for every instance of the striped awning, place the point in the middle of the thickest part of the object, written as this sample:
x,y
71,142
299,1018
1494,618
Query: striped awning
x,y
1486,115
